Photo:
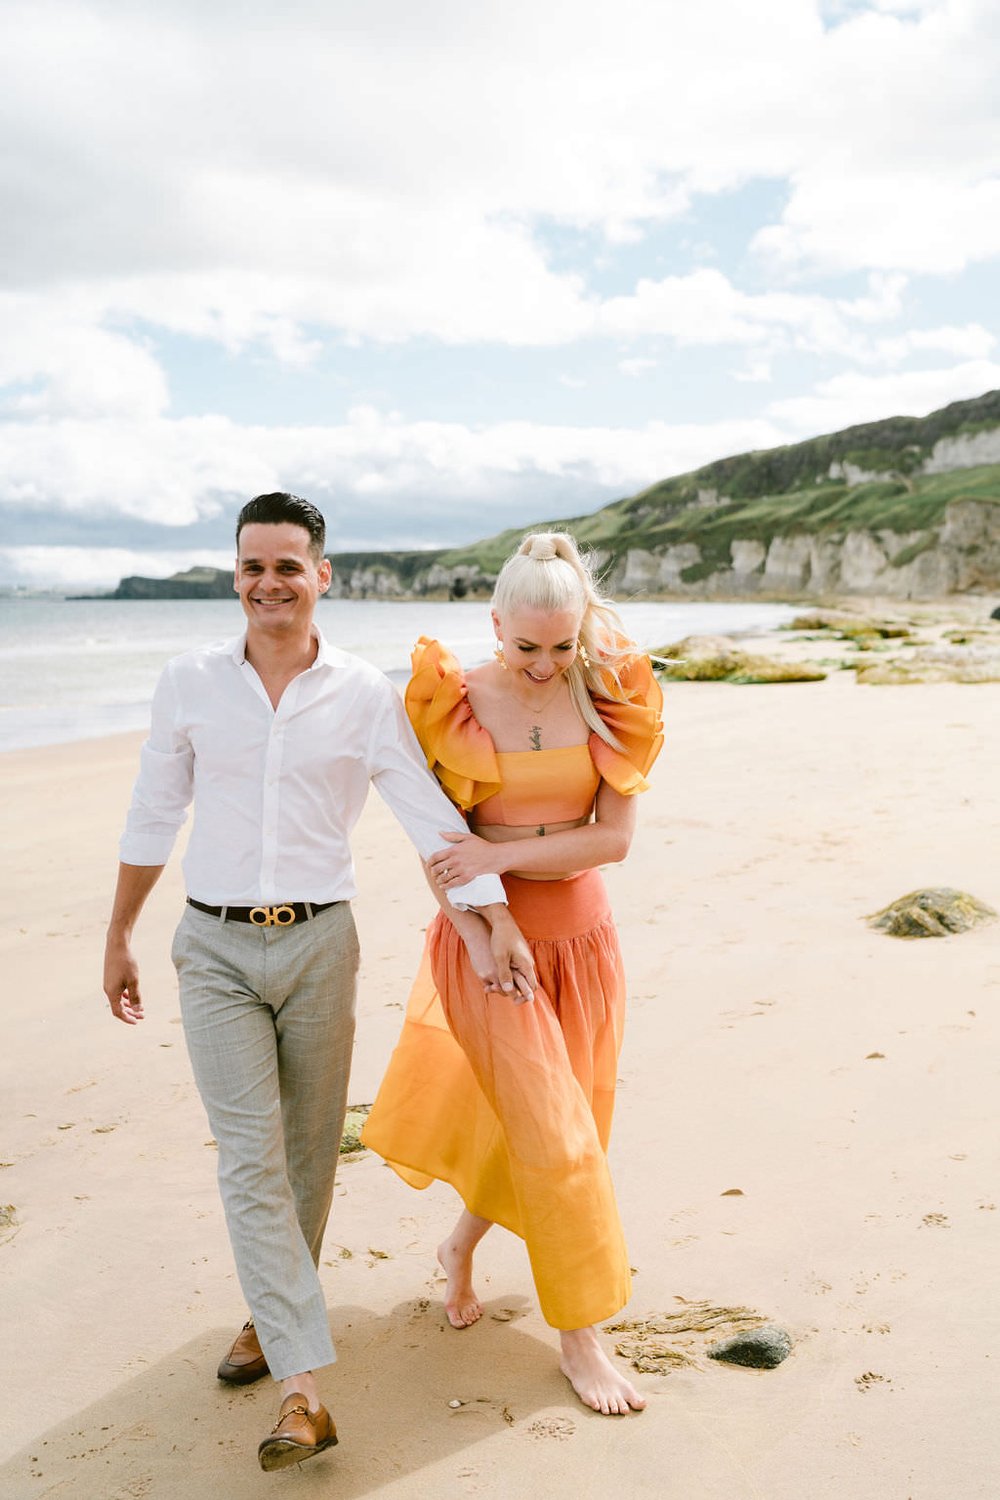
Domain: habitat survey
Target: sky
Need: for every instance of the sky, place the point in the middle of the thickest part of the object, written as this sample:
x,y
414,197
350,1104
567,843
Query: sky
x,y
445,268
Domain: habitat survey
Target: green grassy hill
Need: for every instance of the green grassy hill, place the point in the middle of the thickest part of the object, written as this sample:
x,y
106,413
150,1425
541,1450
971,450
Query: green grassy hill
x,y
868,479
785,491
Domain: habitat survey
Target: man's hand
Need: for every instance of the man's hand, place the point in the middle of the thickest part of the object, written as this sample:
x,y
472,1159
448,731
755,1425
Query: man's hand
x,y
515,966
121,972
121,980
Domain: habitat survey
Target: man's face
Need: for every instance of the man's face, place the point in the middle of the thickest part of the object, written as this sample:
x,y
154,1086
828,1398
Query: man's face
x,y
277,577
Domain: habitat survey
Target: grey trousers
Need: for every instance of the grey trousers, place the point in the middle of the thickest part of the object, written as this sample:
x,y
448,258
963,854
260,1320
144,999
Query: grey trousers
x,y
268,1015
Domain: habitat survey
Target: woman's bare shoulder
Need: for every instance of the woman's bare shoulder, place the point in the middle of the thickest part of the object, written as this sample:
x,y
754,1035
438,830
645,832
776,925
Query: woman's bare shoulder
x,y
484,678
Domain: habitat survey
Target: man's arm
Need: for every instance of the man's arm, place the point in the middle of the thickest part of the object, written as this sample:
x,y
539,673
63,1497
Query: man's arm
x,y
401,778
160,800
121,974
604,841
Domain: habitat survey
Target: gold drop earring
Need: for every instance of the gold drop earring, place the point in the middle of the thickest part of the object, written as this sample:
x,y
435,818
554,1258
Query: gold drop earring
x,y
498,653
581,652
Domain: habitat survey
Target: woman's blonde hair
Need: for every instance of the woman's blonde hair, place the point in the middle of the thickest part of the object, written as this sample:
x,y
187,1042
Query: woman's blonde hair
x,y
549,572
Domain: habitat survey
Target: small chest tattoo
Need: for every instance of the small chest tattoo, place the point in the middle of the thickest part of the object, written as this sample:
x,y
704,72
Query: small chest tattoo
x,y
540,830
536,736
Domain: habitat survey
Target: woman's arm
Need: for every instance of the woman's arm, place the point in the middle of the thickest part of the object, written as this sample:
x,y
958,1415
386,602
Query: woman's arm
x,y
603,842
476,934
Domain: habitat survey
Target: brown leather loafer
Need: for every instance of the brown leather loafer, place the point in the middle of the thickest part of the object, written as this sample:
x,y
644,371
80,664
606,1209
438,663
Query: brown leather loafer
x,y
298,1434
245,1361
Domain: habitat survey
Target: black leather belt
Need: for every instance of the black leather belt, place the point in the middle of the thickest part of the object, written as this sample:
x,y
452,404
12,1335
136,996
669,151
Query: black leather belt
x,y
281,915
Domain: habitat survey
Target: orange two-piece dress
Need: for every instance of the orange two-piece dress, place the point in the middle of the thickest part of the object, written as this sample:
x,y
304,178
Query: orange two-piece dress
x,y
512,1104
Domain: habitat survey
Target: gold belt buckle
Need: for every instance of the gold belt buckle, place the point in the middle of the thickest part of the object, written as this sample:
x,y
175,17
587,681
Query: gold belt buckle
x,y
272,916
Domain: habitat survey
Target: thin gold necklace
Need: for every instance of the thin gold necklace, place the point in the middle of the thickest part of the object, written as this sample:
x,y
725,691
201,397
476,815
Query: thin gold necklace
x,y
539,708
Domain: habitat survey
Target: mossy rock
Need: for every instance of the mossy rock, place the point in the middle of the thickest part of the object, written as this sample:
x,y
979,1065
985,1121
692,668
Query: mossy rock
x,y
850,627
821,619
740,668
354,1122
716,658
937,911
933,664
968,636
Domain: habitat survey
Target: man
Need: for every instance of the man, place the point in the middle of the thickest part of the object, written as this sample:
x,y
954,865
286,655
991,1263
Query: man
x,y
276,736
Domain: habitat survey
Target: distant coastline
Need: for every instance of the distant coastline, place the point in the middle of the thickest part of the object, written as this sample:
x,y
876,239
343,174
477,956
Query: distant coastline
x,y
907,508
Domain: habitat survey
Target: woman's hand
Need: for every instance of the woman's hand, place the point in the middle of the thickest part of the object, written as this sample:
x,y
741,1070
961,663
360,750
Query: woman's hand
x,y
467,857
477,943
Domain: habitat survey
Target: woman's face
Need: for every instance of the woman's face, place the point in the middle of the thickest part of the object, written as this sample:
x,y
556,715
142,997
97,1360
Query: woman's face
x,y
538,644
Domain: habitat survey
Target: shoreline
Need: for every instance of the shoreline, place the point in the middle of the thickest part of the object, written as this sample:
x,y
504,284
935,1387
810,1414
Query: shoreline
x,y
61,668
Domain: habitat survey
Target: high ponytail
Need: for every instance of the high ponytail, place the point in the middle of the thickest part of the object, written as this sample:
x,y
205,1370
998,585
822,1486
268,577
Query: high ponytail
x,y
548,572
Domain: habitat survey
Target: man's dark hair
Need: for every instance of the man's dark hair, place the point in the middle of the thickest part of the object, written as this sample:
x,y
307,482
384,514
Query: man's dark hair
x,y
272,510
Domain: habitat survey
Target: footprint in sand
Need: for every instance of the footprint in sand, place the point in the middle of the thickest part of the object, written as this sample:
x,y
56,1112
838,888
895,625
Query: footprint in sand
x,y
871,1378
559,1428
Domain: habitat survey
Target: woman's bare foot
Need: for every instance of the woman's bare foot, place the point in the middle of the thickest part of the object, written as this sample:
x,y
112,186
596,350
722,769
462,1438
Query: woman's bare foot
x,y
460,1301
592,1375
455,1255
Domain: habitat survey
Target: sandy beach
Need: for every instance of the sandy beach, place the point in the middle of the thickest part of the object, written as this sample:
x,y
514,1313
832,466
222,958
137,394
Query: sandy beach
x,y
842,1081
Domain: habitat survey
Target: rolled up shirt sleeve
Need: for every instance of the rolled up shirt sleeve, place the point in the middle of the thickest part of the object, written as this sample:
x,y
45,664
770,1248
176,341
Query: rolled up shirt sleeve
x,y
165,784
401,778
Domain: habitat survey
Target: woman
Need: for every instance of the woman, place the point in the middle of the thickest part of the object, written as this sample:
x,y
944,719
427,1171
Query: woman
x,y
510,1098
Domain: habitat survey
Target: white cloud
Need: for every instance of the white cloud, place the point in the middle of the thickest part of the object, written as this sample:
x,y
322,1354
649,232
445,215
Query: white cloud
x,y
291,178
705,308
367,472
61,362
389,173
837,220
756,372
636,367
850,398
85,568
971,341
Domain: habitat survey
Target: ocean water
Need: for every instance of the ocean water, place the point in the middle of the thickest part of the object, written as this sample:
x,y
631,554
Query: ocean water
x,y
73,669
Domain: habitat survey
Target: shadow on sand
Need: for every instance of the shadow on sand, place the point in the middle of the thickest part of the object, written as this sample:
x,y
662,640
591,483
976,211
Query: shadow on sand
x,y
174,1432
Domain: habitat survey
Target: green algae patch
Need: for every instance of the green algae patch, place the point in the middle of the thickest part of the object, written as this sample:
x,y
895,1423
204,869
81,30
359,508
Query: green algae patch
x,y
951,663
354,1122
846,627
937,911
716,659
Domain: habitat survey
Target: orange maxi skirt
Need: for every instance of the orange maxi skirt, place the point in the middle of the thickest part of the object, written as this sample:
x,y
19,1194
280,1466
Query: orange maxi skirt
x,y
512,1104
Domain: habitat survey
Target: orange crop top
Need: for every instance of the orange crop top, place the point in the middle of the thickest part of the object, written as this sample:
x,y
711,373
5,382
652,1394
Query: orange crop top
x,y
521,787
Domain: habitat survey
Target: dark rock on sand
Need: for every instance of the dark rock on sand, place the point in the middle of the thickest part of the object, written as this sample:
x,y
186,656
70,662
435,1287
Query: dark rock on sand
x,y
995,613
759,1349
934,912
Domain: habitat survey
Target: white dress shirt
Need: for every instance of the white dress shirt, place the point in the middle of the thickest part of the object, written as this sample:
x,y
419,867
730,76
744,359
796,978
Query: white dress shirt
x,y
277,791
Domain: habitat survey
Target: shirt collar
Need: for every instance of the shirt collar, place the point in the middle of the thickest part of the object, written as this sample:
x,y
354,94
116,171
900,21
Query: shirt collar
x,y
326,655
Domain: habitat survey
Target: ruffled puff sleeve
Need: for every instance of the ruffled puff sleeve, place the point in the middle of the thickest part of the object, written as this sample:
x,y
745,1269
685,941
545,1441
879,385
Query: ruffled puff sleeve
x,y
636,725
459,750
